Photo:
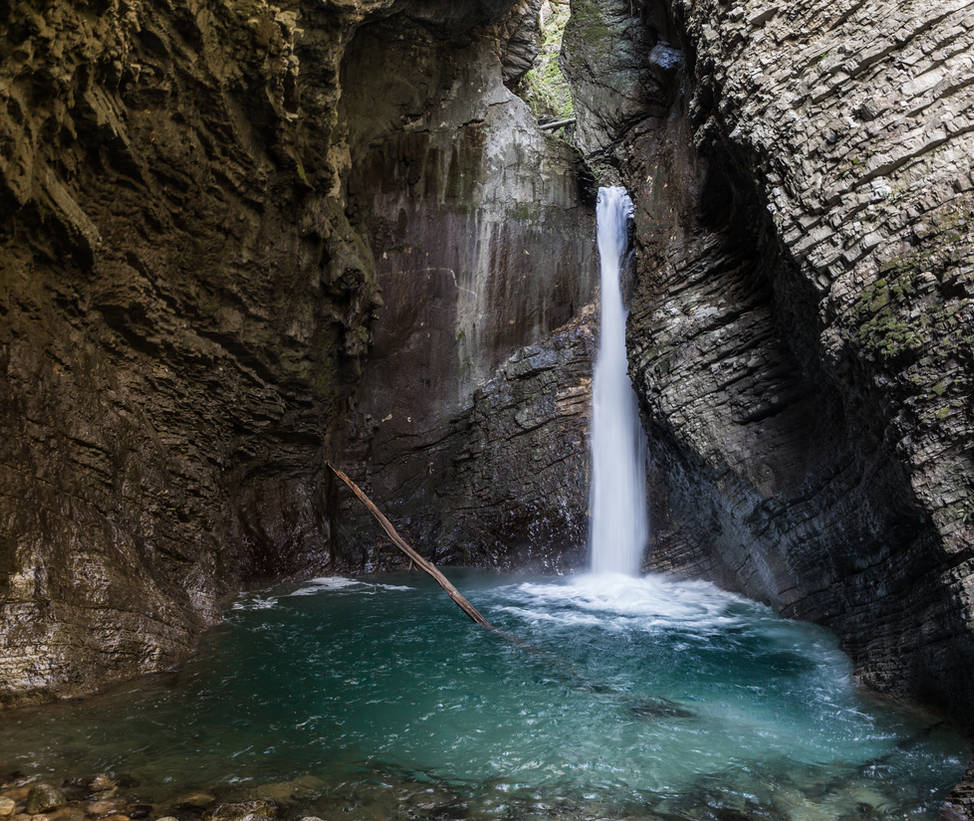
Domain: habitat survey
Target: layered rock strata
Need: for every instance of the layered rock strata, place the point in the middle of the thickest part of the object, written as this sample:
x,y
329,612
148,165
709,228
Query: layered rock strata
x,y
183,306
503,481
800,334
186,305
482,247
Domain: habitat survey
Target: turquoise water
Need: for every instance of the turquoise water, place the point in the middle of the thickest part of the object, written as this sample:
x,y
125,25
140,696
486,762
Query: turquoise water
x,y
631,698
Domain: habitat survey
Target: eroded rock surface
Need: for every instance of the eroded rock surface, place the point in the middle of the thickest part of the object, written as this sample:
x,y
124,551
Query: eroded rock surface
x,y
186,305
482,248
800,334
182,303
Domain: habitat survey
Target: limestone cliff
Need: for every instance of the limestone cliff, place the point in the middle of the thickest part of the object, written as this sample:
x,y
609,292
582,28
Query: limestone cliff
x,y
482,246
800,334
191,279
181,304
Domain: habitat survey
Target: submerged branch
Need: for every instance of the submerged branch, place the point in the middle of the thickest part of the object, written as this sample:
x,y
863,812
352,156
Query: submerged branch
x,y
654,708
418,560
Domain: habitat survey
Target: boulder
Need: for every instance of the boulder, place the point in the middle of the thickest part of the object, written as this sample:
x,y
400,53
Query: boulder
x,y
43,797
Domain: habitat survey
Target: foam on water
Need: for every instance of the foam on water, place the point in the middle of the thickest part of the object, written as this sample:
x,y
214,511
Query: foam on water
x,y
629,696
312,587
324,583
653,598
254,602
332,583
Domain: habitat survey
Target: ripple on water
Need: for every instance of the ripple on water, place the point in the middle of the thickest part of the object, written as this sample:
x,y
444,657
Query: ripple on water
x,y
630,696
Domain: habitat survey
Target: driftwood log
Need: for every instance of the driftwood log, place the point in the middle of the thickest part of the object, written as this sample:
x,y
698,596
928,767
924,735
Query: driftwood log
x,y
647,707
418,560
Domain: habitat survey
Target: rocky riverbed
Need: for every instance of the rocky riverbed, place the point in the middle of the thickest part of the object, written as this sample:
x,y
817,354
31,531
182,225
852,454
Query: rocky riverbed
x,y
100,797
390,795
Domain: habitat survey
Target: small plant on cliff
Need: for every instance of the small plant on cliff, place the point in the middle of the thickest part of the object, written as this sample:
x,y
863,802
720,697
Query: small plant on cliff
x,y
544,87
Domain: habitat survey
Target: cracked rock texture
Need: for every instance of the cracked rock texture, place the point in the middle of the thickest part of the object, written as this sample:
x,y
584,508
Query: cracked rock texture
x,y
801,331
182,309
483,251
186,306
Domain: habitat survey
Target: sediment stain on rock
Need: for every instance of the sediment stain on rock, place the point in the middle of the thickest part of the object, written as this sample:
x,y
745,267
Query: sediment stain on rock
x,y
484,249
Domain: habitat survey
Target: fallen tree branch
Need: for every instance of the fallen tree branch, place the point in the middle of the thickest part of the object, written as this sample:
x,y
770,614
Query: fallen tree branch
x,y
556,124
647,707
420,562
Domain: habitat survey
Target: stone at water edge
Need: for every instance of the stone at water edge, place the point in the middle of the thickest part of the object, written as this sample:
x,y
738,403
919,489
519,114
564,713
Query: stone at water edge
x,y
97,783
68,813
168,818
245,811
311,818
89,787
43,797
7,806
101,782
106,806
116,817
286,791
198,801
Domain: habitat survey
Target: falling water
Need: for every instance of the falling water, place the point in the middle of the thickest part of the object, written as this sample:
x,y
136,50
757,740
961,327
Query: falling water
x,y
619,521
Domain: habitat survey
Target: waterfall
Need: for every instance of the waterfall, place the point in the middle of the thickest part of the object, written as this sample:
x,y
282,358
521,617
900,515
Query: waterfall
x,y
619,524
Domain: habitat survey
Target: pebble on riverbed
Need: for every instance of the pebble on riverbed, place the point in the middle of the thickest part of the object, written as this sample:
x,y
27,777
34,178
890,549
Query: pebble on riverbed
x,y
107,806
43,797
257,810
67,814
287,792
77,799
195,801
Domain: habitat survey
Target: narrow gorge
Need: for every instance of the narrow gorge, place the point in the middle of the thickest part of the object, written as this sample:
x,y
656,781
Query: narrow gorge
x,y
243,238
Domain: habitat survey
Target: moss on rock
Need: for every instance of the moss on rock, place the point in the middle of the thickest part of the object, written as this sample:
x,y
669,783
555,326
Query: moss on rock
x,y
544,86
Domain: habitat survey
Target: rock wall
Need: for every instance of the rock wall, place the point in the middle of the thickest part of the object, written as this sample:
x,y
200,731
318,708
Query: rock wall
x,y
183,307
800,334
186,306
482,247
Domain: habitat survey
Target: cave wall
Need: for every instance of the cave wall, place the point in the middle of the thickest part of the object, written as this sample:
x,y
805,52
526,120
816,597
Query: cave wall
x,y
484,253
241,238
174,337
190,282
800,332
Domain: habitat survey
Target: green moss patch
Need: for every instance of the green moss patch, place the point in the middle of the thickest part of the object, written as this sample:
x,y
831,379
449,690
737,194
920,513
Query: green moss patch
x,y
544,87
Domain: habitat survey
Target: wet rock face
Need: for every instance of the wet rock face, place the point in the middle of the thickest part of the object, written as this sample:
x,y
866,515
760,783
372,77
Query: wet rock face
x,y
482,249
186,307
501,482
172,342
604,57
800,330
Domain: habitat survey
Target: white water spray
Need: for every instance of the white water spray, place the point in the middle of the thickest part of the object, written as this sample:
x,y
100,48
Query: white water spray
x,y
619,524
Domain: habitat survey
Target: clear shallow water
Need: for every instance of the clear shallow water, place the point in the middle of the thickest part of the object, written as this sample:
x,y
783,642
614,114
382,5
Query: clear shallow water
x,y
634,697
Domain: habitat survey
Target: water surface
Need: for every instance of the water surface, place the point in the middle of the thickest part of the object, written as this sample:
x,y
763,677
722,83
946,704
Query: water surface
x,y
640,698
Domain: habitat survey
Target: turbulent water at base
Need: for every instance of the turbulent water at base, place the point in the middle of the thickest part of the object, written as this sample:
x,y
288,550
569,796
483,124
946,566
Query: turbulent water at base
x,y
618,520
375,698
